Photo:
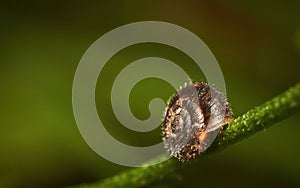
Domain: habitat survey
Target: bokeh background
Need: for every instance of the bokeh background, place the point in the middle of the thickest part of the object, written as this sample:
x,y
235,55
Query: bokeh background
x,y
257,44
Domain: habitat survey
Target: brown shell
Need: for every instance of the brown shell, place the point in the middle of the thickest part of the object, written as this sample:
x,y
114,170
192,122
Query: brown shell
x,y
194,117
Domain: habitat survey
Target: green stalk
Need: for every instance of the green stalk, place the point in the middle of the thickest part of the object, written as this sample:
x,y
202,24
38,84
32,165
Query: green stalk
x,y
255,120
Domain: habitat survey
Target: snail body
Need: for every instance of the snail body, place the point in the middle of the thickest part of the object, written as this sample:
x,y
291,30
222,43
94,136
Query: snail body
x,y
194,117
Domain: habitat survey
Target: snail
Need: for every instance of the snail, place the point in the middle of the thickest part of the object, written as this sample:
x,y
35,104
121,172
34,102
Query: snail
x,y
194,117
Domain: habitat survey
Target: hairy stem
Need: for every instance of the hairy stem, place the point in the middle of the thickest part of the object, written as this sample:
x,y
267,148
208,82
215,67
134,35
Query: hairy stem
x,y
257,119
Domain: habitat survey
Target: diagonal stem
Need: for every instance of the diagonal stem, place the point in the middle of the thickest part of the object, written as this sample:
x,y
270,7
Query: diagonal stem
x,y
255,120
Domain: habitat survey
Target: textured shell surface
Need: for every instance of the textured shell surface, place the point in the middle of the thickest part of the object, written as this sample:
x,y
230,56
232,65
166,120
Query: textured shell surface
x,y
194,117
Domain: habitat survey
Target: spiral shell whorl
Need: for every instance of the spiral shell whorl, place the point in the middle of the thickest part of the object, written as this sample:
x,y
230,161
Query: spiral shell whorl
x,y
192,115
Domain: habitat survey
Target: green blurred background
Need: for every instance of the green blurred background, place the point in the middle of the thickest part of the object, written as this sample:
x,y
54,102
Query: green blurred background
x,y
257,44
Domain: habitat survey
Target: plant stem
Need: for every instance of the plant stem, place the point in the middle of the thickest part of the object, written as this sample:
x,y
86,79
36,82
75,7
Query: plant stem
x,y
257,119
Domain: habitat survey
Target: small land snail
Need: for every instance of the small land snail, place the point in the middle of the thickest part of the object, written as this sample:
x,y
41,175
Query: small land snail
x,y
194,117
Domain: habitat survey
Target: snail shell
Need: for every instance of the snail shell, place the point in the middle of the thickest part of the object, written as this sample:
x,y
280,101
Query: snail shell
x,y
194,117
